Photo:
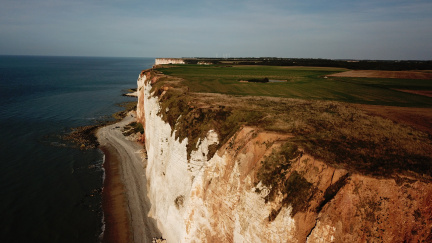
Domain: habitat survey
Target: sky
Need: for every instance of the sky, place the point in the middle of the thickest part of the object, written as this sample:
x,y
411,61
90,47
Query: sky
x,y
335,29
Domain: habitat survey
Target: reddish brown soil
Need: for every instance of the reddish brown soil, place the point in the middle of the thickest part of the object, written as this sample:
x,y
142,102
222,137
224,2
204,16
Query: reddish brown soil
x,y
384,74
117,227
419,118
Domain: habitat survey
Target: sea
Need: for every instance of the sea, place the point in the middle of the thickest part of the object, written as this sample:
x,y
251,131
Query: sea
x,y
50,190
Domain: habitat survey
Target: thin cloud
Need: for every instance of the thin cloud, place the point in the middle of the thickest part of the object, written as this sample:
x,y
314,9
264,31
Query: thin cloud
x,y
328,29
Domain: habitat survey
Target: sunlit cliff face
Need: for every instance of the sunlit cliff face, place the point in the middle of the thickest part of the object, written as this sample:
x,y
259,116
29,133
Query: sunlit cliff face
x,y
160,61
220,199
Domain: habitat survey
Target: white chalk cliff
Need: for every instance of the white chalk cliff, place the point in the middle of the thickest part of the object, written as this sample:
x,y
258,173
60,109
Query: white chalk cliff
x,y
218,199
160,61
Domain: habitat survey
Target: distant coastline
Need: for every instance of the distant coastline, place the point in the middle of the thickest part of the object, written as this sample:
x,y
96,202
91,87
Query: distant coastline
x,y
391,65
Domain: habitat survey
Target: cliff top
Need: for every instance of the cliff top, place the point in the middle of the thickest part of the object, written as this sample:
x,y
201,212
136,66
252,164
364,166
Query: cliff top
x,y
306,102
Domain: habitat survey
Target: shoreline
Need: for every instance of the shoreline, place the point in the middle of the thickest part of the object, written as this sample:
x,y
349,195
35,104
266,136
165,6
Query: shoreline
x,y
116,220
124,199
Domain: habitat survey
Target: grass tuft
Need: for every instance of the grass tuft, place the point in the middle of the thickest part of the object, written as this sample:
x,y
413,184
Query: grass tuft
x,y
132,128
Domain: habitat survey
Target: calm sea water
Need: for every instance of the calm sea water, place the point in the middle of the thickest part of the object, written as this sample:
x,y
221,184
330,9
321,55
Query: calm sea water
x,y
50,191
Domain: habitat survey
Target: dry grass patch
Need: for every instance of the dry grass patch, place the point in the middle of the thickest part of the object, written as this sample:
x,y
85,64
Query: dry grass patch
x,y
342,135
419,118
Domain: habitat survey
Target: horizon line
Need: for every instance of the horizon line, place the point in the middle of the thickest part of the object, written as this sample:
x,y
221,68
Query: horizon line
x,y
203,57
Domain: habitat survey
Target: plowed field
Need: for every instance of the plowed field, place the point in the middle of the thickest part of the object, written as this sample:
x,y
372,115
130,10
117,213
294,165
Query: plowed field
x,y
384,74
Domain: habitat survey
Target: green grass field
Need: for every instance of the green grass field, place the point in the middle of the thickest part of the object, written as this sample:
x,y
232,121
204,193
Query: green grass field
x,y
301,82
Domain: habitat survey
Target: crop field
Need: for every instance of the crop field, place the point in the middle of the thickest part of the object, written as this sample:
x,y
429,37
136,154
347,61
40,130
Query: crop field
x,y
303,83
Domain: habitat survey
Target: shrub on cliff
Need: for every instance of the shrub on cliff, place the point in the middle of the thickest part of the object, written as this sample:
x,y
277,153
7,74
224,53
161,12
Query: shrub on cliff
x,y
133,127
258,80
275,174
192,120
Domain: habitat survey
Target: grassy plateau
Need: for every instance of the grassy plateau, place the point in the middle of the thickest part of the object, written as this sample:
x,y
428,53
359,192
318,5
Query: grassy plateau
x,y
305,102
302,83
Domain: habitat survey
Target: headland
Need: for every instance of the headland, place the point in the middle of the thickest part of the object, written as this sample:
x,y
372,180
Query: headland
x,y
301,160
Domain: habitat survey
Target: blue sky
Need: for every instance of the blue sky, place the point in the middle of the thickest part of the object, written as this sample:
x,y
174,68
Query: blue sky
x,y
368,29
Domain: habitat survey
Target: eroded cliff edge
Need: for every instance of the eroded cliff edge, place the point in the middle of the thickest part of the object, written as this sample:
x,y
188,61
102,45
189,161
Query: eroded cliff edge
x,y
215,175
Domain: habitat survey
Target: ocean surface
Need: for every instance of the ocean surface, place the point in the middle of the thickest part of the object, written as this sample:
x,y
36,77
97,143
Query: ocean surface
x,y
50,191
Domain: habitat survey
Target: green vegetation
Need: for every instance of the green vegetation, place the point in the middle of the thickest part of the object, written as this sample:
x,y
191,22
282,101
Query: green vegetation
x,y
332,131
275,174
302,82
258,80
133,128
193,122
275,167
298,192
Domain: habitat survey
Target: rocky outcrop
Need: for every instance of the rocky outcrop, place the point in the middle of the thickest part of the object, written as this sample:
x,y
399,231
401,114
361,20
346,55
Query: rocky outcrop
x,y
223,198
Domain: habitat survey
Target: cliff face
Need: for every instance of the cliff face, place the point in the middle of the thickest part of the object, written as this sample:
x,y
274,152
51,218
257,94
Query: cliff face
x,y
160,61
222,199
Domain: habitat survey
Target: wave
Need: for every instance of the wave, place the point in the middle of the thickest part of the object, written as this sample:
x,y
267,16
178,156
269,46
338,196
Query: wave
x,y
101,235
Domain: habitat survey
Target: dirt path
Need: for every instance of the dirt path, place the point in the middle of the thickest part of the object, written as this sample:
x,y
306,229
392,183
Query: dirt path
x,y
126,205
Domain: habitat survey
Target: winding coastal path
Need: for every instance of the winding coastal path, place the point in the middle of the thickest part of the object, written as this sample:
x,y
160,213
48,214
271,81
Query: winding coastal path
x,y
125,202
